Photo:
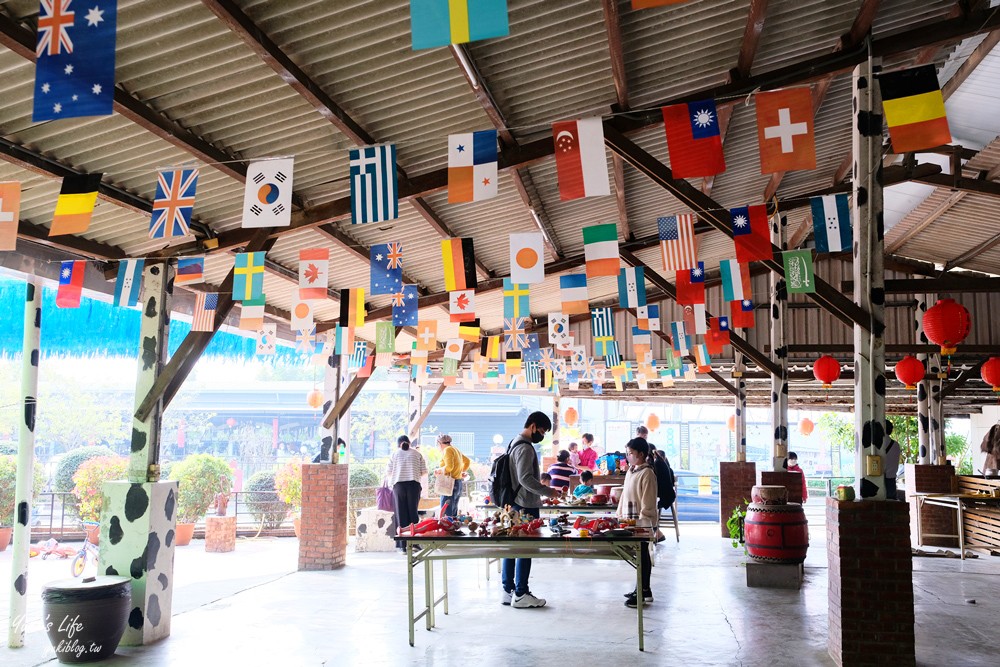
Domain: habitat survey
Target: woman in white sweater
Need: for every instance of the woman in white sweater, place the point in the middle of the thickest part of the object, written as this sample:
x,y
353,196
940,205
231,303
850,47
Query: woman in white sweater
x,y
406,467
639,494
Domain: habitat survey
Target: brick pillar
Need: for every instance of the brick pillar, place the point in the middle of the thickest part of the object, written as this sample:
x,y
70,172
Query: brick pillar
x,y
790,480
941,520
870,583
220,534
323,531
736,478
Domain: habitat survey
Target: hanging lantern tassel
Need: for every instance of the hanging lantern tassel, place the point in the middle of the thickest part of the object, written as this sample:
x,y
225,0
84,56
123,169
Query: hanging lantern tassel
x,y
991,373
910,371
826,370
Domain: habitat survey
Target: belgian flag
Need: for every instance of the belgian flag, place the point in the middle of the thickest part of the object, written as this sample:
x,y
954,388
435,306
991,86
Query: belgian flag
x,y
914,109
352,307
75,205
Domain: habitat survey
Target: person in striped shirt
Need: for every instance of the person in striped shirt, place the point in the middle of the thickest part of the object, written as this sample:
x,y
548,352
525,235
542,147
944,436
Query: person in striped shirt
x,y
406,467
561,470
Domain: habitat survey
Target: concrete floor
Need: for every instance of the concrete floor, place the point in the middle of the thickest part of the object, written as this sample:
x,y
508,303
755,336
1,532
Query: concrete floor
x,y
251,608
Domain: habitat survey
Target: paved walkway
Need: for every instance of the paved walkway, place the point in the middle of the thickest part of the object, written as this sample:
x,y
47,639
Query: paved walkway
x,y
250,607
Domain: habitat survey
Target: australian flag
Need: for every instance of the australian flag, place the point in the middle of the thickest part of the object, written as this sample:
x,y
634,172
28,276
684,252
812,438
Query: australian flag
x,y
404,307
386,268
75,70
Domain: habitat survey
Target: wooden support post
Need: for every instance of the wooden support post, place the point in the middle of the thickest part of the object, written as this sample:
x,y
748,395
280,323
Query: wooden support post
x,y
343,403
157,283
779,352
924,386
556,424
18,581
430,406
740,407
869,295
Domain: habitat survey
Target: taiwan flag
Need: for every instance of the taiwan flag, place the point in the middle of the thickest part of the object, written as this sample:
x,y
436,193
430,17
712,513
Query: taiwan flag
x,y
741,314
70,283
691,285
694,139
751,233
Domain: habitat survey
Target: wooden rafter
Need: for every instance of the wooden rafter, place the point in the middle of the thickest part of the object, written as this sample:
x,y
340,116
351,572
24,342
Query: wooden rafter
x,y
520,176
952,284
620,78
972,253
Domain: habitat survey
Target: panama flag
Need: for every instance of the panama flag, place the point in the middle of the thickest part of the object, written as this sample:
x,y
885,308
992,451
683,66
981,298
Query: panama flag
x,y
631,287
736,284
831,223
267,198
600,250
751,233
581,163
314,273
694,139
573,294
128,282
649,317
472,166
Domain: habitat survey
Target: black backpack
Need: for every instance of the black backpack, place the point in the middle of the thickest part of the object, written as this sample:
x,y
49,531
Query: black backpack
x,y
665,479
502,489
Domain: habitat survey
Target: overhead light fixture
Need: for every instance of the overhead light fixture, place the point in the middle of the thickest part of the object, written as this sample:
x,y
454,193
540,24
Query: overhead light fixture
x,y
470,71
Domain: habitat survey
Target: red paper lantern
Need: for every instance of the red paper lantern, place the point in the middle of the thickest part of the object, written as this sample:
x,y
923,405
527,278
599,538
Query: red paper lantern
x,y
827,370
947,323
806,426
910,371
314,398
230,422
652,422
991,372
570,416
731,423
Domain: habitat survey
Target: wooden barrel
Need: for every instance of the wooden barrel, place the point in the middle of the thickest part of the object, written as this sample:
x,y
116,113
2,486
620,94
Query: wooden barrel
x,y
776,533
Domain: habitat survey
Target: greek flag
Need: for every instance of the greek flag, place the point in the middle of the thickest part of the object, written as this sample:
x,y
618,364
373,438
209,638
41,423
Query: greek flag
x,y
374,193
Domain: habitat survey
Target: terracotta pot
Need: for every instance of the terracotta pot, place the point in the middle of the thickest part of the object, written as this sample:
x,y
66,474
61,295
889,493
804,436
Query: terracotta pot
x,y
776,533
766,494
5,534
598,499
183,534
606,489
296,523
87,617
93,533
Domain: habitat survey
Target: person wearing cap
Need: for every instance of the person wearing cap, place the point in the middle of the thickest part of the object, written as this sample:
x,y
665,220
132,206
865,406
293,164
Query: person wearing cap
x,y
453,464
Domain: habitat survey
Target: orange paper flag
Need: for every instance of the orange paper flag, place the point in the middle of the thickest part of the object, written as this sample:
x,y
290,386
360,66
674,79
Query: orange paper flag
x,y
785,130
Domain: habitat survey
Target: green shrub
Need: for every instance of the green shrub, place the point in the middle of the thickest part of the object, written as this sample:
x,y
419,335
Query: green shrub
x,y
89,483
363,476
263,502
288,484
8,482
199,478
72,461
8,449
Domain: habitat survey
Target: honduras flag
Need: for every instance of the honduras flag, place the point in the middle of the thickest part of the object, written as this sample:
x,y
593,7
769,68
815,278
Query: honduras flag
x,y
832,223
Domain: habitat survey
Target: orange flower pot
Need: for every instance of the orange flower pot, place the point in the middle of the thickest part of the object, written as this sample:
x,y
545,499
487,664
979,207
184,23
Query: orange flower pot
x,y
183,534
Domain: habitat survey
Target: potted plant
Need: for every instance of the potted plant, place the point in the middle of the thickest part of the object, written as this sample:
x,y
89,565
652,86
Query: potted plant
x,y
88,488
199,478
263,502
288,484
735,524
8,481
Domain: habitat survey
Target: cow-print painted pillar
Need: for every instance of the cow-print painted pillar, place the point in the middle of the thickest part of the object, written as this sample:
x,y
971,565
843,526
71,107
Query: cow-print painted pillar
x,y
869,279
25,464
138,518
939,454
158,287
923,387
779,353
739,368
331,391
415,408
556,424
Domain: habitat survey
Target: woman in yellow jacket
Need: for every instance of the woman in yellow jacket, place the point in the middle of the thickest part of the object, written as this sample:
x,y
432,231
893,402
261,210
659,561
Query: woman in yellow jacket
x,y
453,464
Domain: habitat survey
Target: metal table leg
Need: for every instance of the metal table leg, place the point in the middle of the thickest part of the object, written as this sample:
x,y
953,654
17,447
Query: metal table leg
x,y
961,529
920,532
638,588
444,575
429,592
409,584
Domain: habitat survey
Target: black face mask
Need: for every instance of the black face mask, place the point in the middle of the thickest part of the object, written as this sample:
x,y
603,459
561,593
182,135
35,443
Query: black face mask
x,y
537,437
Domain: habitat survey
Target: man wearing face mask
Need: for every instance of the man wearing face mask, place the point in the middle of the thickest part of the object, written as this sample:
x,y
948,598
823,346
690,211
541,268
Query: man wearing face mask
x,y
528,500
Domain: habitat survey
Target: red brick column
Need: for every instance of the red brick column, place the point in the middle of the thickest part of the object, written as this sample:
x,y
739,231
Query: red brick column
x,y
790,480
220,534
941,520
323,530
736,478
870,583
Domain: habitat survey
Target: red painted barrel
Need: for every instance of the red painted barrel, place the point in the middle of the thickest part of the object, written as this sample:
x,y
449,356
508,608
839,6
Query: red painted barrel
x,y
776,533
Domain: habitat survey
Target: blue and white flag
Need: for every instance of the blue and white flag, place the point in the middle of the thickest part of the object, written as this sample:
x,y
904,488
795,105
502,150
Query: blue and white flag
x,y
682,340
832,223
602,328
612,356
129,281
360,356
75,69
173,203
374,192
631,287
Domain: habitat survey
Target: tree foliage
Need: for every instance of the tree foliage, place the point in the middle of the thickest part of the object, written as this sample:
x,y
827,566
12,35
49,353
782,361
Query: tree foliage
x,y
88,483
838,430
381,413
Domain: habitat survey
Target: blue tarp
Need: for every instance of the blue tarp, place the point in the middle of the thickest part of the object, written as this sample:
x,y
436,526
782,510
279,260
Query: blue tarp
x,y
98,328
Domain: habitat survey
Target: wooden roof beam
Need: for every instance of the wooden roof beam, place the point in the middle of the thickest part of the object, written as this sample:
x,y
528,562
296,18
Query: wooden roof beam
x,y
950,283
612,27
972,253
519,175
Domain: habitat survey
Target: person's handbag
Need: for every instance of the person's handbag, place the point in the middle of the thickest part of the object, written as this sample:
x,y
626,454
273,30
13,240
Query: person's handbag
x,y
384,499
444,484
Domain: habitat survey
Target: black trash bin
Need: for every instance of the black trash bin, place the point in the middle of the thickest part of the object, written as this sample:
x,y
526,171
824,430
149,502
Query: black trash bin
x,y
85,618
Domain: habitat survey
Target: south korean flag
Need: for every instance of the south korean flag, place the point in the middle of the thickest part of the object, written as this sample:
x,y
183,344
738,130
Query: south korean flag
x,y
267,199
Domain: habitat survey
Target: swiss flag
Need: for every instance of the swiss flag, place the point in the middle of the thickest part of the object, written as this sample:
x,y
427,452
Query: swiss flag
x,y
785,130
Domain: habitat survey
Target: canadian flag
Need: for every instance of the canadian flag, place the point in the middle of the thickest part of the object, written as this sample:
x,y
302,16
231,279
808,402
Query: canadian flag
x,y
581,163
462,305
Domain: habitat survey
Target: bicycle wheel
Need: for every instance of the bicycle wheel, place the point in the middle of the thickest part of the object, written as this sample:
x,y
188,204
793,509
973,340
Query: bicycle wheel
x,y
79,563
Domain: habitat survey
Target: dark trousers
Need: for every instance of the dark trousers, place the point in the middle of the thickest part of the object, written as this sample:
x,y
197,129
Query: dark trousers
x,y
515,571
647,565
407,496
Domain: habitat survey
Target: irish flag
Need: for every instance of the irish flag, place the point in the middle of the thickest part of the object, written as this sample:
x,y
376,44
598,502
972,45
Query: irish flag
x,y
581,164
600,249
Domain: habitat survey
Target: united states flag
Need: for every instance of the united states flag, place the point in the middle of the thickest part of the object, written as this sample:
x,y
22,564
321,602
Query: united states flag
x,y
205,305
677,242
374,196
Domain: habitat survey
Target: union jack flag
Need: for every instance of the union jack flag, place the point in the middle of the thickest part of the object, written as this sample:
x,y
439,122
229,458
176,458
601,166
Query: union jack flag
x,y
53,22
394,255
548,359
589,368
173,203
514,335
398,299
